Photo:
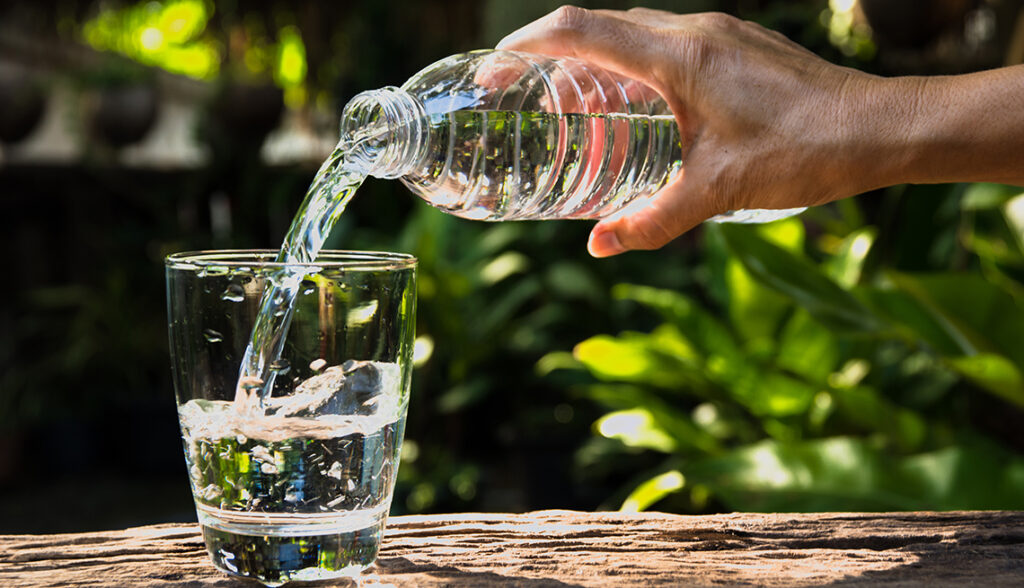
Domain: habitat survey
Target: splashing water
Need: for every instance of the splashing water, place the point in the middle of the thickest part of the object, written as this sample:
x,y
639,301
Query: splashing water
x,y
328,195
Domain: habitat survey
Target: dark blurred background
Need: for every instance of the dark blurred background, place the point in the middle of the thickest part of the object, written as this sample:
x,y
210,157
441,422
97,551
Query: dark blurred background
x,y
865,356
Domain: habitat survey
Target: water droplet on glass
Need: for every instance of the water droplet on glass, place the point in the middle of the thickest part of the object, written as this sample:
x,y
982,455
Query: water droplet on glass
x,y
233,293
280,367
212,336
243,274
217,270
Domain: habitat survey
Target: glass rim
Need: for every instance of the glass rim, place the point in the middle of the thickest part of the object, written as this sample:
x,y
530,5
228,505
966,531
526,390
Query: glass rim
x,y
267,259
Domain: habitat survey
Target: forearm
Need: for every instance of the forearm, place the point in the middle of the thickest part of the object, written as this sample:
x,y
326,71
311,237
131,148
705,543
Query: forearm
x,y
938,129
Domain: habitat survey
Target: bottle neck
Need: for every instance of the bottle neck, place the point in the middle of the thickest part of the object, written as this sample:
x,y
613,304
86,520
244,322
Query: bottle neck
x,y
384,132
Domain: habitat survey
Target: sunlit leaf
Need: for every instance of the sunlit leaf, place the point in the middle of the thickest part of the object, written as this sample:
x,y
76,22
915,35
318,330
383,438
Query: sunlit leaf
x,y
787,233
993,372
754,309
503,266
669,418
635,428
983,196
844,473
653,490
657,359
557,360
846,265
1014,213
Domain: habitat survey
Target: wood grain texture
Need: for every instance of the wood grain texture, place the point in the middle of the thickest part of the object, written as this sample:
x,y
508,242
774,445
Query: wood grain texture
x,y
562,548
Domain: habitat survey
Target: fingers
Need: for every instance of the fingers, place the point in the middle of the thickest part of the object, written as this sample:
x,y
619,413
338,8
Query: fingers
x,y
621,45
675,209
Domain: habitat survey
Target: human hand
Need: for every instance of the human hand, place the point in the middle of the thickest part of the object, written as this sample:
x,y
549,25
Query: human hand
x,y
764,123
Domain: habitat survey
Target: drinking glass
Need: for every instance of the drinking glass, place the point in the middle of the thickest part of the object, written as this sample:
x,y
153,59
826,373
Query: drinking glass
x,y
293,483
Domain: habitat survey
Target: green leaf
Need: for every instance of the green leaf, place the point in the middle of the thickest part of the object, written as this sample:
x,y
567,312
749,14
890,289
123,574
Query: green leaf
x,y
787,233
914,321
636,428
1014,213
653,490
872,412
807,348
799,279
755,310
663,358
556,360
574,281
983,196
994,373
979,315
668,417
696,324
846,265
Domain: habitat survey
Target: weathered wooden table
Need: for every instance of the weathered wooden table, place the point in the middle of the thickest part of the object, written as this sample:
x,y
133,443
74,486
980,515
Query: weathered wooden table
x,y
561,548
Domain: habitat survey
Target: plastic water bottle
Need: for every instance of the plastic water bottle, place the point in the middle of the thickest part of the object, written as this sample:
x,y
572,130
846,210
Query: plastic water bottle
x,y
504,135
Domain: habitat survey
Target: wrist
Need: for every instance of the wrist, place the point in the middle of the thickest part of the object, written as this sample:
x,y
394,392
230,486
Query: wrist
x,y
881,133
938,129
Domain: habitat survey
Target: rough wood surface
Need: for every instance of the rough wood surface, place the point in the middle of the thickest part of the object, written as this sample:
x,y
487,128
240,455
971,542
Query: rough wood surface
x,y
561,548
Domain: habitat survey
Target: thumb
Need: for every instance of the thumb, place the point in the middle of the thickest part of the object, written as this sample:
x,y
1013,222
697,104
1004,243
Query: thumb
x,y
651,224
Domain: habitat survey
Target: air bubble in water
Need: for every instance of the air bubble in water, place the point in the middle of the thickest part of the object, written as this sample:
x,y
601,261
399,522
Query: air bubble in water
x,y
212,336
280,367
335,471
233,293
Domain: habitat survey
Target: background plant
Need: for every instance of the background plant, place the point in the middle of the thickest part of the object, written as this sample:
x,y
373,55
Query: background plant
x,y
832,373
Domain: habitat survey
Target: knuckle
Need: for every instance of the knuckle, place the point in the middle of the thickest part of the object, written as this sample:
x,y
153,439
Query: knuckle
x,y
569,18
717,21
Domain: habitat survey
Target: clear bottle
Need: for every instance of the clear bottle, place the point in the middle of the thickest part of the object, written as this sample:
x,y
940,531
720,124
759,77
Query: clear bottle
x,y
504,135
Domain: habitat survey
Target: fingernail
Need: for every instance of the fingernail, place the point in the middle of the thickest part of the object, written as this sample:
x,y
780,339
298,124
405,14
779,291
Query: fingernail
x,y
604,243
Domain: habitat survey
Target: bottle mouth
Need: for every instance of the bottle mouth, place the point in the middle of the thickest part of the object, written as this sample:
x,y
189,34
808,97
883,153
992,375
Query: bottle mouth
x,y
382,130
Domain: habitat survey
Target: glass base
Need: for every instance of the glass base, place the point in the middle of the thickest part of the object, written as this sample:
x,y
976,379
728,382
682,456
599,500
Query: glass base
x,y
274,554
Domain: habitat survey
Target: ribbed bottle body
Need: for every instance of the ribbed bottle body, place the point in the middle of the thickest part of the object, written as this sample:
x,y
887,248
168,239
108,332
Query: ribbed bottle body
x,y
514,136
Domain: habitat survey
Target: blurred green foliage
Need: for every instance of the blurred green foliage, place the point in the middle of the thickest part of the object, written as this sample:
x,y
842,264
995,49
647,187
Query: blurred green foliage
x,y
819,374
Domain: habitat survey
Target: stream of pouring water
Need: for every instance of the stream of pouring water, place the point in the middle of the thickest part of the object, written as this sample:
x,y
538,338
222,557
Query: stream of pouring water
x,y
328,195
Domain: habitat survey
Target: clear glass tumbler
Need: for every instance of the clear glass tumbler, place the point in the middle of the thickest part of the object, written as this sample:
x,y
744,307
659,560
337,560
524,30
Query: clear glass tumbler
x,y
296,486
